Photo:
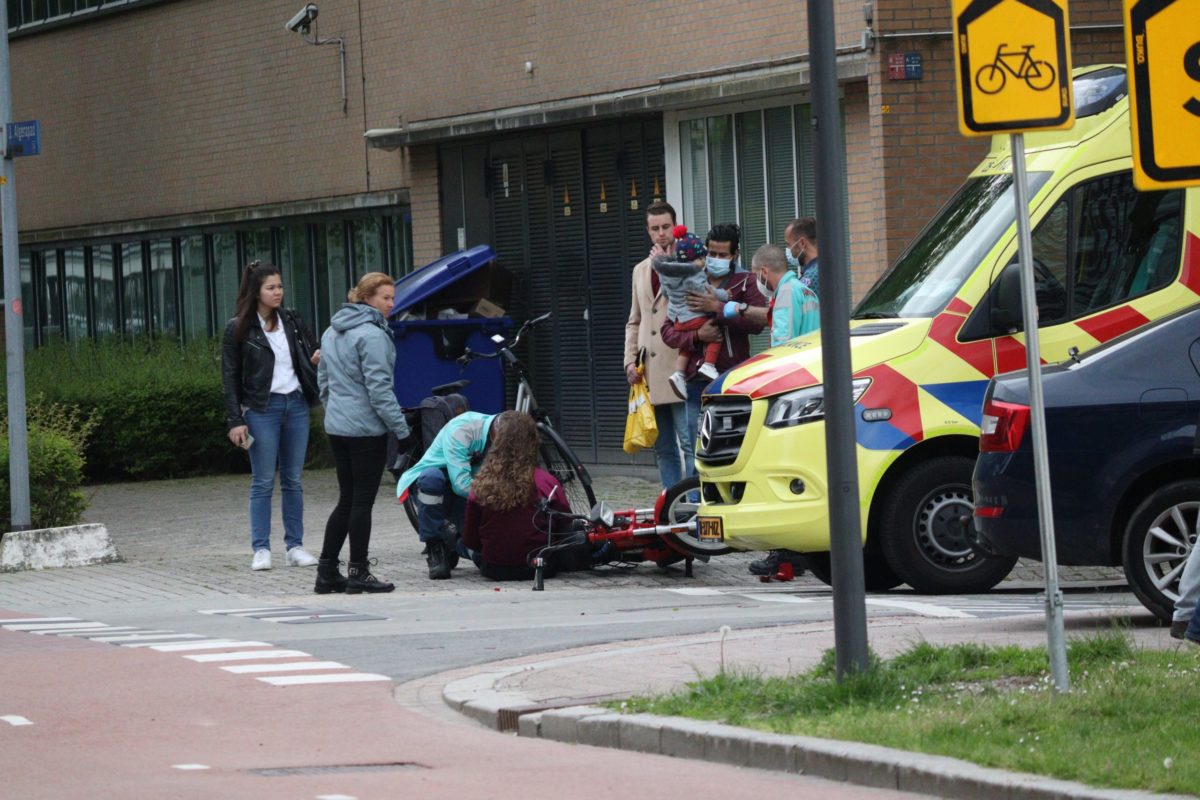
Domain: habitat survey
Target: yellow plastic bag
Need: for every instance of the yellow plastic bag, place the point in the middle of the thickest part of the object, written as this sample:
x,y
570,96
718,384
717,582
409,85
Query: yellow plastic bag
x,y
641,431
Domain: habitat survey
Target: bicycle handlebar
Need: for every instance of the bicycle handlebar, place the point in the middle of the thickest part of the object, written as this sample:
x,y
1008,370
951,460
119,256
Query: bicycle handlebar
x,y
470,355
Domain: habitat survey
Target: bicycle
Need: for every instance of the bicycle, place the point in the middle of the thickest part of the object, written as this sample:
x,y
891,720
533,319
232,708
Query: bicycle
x,y
557,457
992,77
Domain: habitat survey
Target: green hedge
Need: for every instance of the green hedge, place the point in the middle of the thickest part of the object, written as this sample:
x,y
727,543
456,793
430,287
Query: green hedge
x,y
56,440
157,406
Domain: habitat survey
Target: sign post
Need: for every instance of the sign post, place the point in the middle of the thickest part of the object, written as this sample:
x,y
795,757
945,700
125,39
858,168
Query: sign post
x,y
1162,51
1014,75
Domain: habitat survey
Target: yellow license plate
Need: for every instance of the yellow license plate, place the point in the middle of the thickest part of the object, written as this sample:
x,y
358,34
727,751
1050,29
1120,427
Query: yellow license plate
x,y
710,529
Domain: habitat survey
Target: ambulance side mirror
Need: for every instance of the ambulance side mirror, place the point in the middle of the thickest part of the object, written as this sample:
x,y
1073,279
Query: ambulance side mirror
x,y
1005,298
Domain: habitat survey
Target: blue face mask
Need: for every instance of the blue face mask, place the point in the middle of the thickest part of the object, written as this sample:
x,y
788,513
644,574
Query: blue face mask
x,y
793,262
717,267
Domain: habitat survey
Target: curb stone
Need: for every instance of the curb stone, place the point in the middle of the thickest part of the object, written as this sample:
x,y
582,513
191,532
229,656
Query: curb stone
x,y
68,546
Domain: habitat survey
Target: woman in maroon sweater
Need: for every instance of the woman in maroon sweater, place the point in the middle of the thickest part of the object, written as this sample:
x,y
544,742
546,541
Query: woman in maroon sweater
x,y
499,528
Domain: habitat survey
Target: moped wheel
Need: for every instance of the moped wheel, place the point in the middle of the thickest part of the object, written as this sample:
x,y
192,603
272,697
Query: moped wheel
x,y
990,79
562,463
677,507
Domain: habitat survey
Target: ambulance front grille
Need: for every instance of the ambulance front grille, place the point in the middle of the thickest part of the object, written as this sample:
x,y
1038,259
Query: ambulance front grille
x,y
722,429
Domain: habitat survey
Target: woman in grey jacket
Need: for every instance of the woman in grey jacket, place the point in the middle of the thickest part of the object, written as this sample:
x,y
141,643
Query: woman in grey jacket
x,y
355,379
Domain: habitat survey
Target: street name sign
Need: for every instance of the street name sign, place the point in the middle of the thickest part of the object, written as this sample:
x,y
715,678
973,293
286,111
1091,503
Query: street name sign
x,y
22,139
1162,49
1013,66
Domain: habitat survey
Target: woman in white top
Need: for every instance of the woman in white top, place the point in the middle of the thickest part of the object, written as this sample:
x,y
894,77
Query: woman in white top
x,y
269,380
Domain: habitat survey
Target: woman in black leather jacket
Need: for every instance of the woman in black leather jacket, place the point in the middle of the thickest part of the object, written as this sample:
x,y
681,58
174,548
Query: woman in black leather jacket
x,y
269,379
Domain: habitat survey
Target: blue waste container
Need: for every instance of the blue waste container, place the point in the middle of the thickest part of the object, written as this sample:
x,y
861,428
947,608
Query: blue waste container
x,y
427,347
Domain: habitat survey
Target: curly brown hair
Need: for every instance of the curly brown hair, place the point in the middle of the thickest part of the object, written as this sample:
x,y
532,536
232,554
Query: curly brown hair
x,y
505,481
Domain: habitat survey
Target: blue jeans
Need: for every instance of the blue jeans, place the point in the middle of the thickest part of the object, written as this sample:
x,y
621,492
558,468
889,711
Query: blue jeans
x,y
280,442
674,448
1189,586
437,504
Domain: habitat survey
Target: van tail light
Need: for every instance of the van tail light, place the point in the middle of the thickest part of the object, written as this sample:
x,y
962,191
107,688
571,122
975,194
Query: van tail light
x,y
1003,426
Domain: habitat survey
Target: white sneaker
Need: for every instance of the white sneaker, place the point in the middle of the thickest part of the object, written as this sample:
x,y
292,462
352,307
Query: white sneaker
x,y
299,557
262,560
678,383
709,371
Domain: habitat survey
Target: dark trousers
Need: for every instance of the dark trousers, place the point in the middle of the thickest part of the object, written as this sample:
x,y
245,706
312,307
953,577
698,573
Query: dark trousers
x,y
359,461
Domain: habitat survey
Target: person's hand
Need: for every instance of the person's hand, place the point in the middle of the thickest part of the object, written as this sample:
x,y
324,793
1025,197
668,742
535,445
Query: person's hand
x,y
706,302
316,357
659,250
710,332
631,374
238,435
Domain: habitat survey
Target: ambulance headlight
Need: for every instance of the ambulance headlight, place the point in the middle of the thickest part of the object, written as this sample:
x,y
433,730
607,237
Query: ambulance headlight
x,y
805,405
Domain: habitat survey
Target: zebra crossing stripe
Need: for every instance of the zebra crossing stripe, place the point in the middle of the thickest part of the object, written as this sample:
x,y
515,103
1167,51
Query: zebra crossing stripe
x,y
210,644
93,632
247,655
924,609
6,622
35,627
14,720
145,636
350,677
291,666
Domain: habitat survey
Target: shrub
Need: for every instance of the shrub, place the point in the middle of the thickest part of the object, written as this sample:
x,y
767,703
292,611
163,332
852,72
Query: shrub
x,y
56,440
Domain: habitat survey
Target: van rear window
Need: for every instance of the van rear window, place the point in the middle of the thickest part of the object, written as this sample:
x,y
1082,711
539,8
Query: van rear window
x,y
934,266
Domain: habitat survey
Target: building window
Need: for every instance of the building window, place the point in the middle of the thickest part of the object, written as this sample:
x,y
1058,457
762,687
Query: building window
x,y
752,167
366,237
104,291
74,276
25,14
332,282
400,244
163,305
133,288
297,271
194,288
29,312
225,275
50,305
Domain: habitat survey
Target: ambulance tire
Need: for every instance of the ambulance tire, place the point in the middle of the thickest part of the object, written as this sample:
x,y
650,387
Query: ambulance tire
x,y
877,575
921,536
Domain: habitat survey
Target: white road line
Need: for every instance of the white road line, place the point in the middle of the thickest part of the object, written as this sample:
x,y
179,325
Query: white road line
x,y
248,655
141,633
40,619
14,720
68,626
236,611
780,598
696,592
924,609
336,797
189,766
109,629
212,644
53,626
346,677
146,637
291,666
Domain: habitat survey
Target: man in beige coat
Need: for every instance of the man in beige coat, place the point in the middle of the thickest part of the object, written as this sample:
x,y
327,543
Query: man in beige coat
x,y
647,311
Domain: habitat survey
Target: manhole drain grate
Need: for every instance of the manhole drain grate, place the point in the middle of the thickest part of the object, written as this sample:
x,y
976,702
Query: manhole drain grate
x,y
332,769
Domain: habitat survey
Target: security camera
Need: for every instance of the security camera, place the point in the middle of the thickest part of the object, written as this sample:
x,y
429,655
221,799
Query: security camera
x,y
302,22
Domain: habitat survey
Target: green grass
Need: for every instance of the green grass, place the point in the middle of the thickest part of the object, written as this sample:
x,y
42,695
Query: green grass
x,y
1129,721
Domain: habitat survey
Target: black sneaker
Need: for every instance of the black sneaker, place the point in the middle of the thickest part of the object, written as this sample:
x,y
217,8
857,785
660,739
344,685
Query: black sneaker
x,y
1178,627
770,564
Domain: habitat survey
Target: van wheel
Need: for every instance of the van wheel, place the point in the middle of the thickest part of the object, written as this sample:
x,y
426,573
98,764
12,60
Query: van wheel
x,y
1160,535
877,575
921,534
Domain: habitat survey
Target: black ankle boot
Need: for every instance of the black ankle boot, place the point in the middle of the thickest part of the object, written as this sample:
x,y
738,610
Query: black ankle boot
x,y
439,563
329,577
361,580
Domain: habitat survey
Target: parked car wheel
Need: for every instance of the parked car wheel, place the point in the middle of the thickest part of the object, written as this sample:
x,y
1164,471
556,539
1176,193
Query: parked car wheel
x,y
1160,535
877,575
922,536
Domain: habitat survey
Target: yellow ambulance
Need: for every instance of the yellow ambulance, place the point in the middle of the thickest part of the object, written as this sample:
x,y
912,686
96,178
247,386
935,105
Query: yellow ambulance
x,y
926,338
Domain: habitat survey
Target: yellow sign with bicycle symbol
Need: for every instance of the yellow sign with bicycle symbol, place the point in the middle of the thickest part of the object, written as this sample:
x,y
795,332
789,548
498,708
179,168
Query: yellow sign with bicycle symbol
x,y
1014,66
1162,42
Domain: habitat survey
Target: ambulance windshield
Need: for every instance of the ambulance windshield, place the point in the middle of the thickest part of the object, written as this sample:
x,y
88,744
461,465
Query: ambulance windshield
x,y
933,268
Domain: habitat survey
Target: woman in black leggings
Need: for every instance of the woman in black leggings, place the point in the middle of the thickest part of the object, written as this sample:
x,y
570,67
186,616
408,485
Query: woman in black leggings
x,y
355,377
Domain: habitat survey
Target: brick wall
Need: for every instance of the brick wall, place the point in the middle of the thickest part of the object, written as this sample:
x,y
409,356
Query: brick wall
x,y
426,205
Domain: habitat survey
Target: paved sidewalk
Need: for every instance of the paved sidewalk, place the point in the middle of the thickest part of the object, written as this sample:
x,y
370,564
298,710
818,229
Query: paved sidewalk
x,y
183,538
548,696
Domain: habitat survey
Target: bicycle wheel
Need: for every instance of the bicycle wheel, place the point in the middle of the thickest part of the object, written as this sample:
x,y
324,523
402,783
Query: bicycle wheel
x,y
561,462
677,507
1039,76
990,79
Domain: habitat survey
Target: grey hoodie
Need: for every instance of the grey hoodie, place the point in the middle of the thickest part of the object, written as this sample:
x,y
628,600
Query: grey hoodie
x,y
355,375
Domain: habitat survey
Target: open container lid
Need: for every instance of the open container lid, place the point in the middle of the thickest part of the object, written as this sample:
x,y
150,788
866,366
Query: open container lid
x,y
417,287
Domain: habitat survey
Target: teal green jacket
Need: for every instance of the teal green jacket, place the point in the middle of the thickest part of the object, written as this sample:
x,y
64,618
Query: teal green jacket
x,y
463,438
794,310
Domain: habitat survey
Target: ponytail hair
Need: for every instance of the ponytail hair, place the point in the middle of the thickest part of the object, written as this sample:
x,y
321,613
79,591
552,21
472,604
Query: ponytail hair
x,y
246,307
368,285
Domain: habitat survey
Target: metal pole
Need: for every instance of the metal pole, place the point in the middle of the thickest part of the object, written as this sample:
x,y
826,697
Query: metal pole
x,y
14,330
845,525
1056,639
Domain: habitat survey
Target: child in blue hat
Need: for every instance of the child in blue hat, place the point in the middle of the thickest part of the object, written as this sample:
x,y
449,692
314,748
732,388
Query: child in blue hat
x,y
679,275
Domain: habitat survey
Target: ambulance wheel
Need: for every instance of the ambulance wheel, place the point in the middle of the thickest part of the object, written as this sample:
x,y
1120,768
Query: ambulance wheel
x,y
877,575
921,532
